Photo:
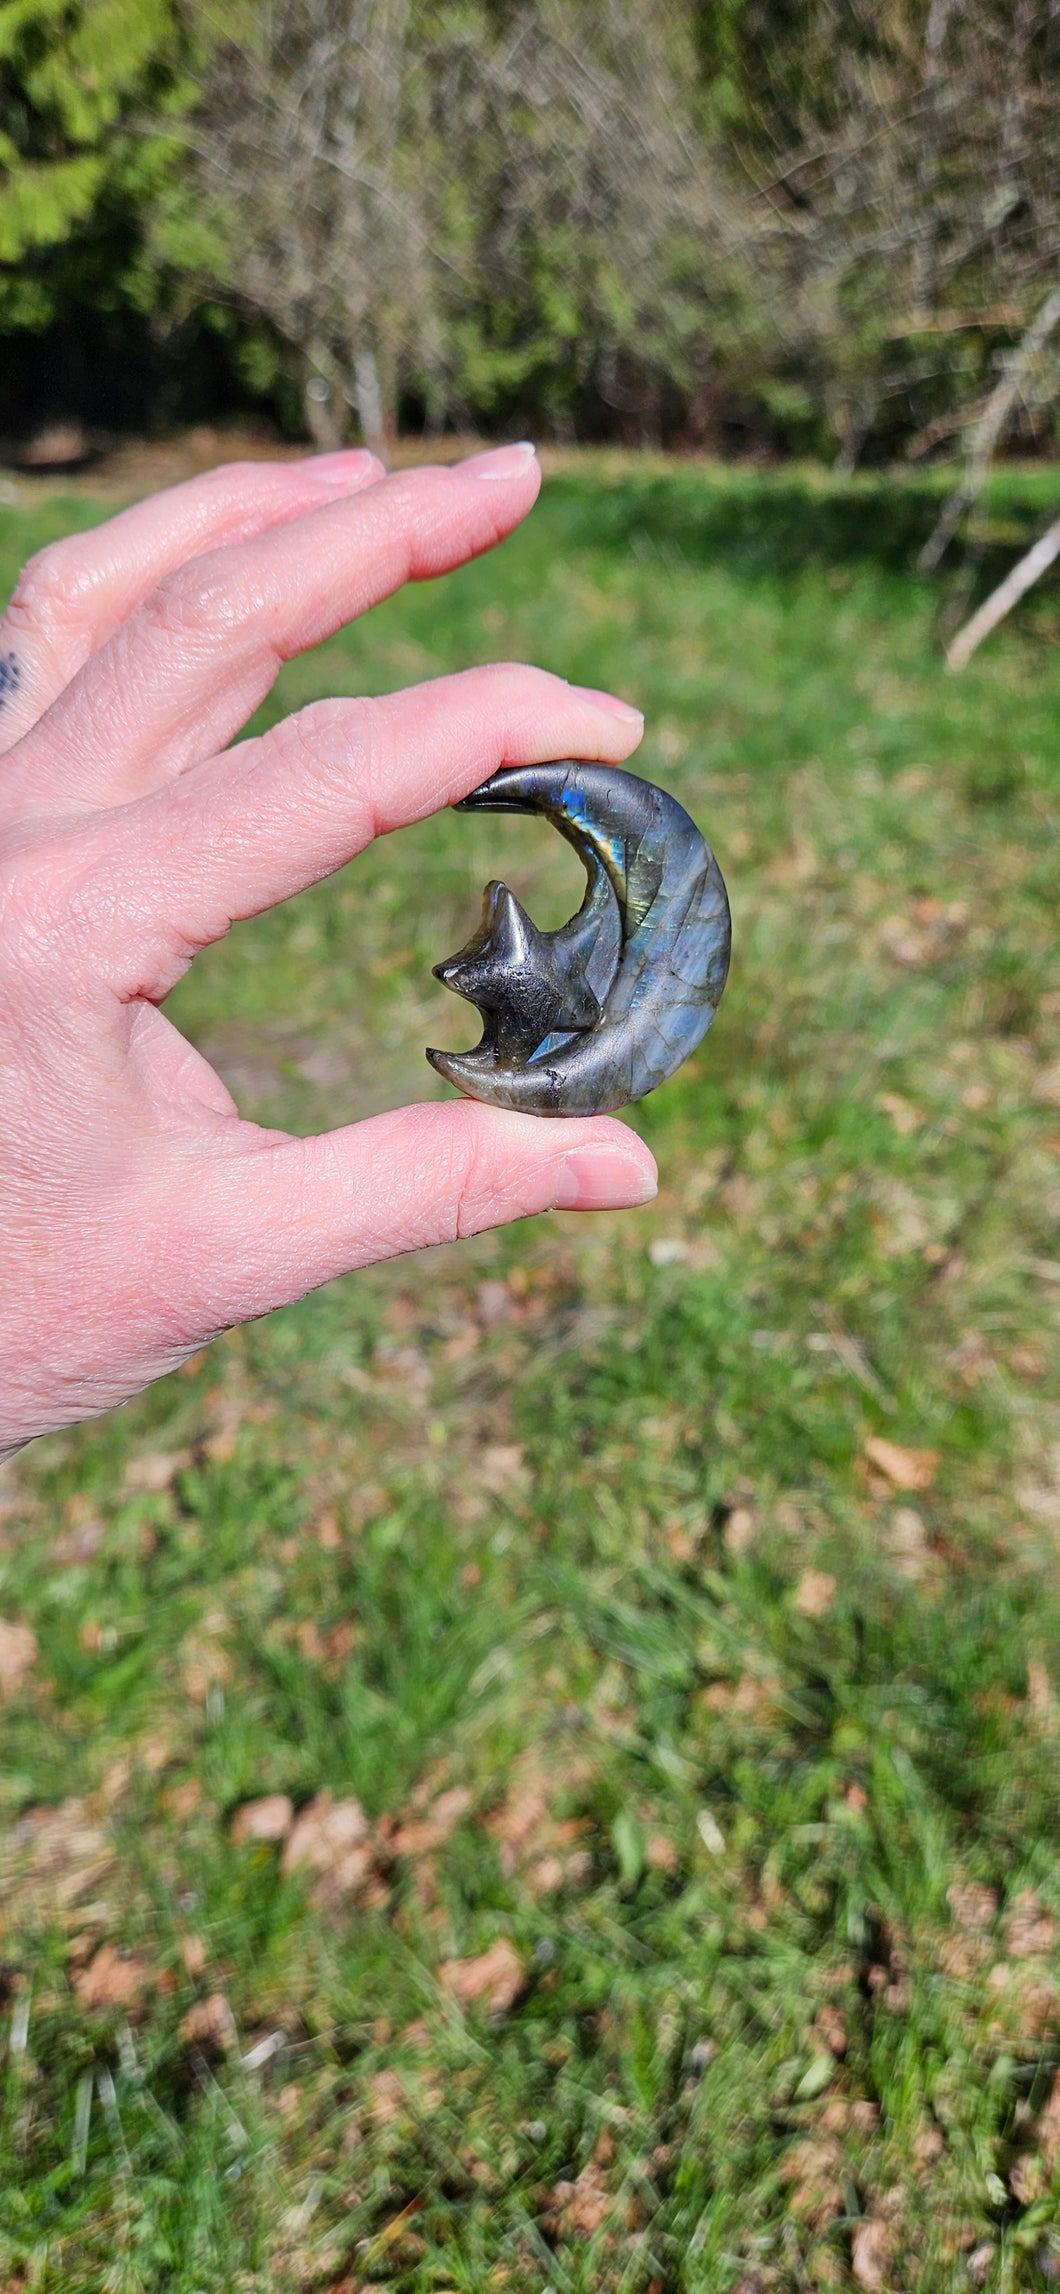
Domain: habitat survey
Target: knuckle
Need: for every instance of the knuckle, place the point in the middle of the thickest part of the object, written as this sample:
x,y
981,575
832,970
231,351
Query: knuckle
x,y
324,732
203,599
473,1175
53,587
335,746
179,606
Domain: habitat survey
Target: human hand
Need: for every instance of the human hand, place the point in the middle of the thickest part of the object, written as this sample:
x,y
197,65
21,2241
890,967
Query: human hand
x,y
139,1214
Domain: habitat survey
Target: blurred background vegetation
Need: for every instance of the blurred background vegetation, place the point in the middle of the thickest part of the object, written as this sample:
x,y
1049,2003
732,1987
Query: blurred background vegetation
x,y
817,226
534,1771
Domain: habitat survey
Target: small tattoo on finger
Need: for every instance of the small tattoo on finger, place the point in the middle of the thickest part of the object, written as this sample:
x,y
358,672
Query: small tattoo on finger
x,y
10,676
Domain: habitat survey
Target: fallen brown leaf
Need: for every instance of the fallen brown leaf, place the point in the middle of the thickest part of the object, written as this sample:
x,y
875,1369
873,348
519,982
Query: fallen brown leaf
x,y
500,1467
974,1906
209,2024
333,1838
156,1470
328,1532
418,1837
828,2030
193,1954
1049,2126
205,1666
811,2170
386,2096
110,1980
1046,1086
18,1655
582,2205
904,1116
496,1977
1029,1928
52,1858
907,1543
269,1818
310,1641
870,2253
181,1800
739,1530
78,1542
1039,1688
904,944
815,1593
906,1469
514,1823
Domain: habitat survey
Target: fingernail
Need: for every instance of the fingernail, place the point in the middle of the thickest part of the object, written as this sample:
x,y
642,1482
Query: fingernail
x,y
623,710
602,1179
501,461
338,469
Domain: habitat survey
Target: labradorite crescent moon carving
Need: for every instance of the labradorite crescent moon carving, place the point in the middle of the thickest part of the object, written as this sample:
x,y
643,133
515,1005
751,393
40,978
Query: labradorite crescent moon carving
x,y
586,1019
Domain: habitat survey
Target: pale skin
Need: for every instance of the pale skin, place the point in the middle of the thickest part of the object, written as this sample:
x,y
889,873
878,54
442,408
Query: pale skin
x,y
140,1215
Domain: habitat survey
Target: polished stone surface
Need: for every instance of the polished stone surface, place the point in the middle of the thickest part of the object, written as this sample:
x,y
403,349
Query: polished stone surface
x,y
586,1019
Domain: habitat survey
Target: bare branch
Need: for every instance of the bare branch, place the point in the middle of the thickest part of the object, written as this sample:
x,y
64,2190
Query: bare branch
x,y
1017,582
988,429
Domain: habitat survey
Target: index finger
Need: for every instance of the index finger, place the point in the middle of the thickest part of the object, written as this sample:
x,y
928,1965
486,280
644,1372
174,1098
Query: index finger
x,y
184,674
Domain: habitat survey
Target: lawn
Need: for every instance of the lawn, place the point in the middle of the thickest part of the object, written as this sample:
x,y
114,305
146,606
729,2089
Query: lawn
x,y
538,1767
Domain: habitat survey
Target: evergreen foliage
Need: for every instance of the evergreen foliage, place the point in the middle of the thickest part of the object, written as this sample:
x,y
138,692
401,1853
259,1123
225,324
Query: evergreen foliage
x,y
817,224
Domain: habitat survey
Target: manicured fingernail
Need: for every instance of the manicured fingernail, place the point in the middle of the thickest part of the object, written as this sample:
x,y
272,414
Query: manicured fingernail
x,y
338,469
602,1179
501,461
623,710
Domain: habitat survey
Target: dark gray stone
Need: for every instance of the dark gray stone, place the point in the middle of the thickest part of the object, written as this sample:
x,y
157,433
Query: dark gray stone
x,y
586,1019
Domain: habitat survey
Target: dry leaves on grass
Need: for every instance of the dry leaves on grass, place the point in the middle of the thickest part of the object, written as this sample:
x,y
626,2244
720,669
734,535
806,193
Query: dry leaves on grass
x,y
494,1978
421,1834
904,1469
1046,1086
333,1839
1029,1929
815,1593
738,1534
18,1655
155,1471
905,1117
1048,2129
973,1904
111,1979
906,1542
78,1541
1033,2171
929,931
209,2024
871,2251
811,2171
270,1818
501,1469
580,2208
51,1859
546,1851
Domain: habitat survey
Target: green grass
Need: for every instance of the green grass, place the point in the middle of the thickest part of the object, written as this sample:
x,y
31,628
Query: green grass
x,y
758,1749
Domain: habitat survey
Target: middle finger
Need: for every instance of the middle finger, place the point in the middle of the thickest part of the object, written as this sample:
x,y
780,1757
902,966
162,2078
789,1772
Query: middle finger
x,y
187,670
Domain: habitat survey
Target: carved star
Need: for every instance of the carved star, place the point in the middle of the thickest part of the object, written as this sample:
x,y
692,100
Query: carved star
x,y
527,984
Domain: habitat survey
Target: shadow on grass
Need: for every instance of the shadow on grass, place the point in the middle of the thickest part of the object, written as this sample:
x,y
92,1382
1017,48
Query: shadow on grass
x,y
755,522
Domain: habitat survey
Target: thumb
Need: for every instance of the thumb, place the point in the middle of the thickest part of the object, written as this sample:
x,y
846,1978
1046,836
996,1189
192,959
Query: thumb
x,y
281,1216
